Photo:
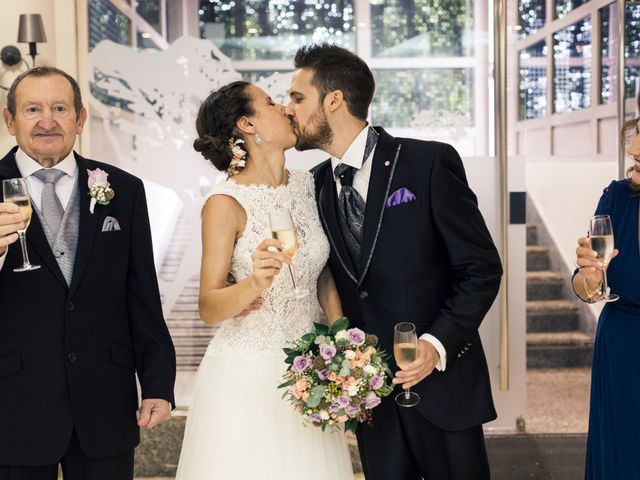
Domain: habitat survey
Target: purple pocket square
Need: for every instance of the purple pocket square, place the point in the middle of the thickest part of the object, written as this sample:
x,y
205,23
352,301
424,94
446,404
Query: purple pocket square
x,y
400,196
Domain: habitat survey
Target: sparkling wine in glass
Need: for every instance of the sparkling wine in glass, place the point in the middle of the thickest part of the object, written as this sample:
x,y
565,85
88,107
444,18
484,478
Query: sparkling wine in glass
x,y
405,351
283,229
14,190
601,236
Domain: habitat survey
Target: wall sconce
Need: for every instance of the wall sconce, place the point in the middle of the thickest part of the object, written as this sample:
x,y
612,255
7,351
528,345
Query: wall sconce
x,y
31,31
10,57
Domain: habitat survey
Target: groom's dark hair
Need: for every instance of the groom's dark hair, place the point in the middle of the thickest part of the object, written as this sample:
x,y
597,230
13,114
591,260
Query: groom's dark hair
x,y
335,68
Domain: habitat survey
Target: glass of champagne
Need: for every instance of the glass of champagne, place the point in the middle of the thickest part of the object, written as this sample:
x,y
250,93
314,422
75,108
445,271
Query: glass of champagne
x,y
601,236
405,351
283,229
14,190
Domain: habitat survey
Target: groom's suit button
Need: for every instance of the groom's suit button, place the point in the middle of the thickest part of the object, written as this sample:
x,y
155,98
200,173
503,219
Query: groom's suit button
x,y
71,357
364,295
70,306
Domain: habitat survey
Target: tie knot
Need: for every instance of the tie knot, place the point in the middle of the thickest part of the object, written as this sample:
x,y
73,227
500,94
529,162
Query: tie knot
x,y
345,173
49,175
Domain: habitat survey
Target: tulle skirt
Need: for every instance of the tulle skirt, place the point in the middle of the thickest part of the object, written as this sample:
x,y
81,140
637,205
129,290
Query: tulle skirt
x,y
240,428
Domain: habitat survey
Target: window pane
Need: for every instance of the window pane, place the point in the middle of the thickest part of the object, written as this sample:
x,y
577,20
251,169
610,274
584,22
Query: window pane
x,y
150,11
144,41
421,98
532,15
275,29
532,85
608,32
608,47
632,50
107,23
562,7
572,66
422,28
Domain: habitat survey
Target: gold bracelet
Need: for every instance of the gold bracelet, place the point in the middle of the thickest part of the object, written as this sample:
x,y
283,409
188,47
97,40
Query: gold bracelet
x,y
586,287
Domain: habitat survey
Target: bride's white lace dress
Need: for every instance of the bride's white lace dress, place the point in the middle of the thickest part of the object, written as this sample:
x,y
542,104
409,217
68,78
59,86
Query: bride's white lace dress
x,y
239,427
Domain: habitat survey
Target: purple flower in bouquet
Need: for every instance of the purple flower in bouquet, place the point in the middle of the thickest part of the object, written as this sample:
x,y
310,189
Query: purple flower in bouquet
x,y
327,351
344,400
315,418
351,410
356,336
334,407
376,382
300,364
372,400
323,374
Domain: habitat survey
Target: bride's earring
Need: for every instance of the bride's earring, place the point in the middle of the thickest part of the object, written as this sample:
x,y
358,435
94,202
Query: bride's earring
x,y
258,139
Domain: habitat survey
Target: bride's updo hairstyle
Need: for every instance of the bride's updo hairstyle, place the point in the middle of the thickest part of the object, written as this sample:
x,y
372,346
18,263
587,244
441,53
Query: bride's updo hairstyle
x,y
216,123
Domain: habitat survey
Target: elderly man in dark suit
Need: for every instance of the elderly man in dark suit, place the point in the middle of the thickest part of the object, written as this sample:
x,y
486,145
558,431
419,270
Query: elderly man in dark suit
x,y
408,244
74,332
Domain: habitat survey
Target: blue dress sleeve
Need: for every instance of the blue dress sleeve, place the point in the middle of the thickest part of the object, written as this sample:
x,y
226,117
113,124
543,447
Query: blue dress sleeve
x,y
605,204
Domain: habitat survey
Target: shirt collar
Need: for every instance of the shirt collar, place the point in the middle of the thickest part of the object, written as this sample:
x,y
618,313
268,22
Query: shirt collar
x,y
355,153
28,166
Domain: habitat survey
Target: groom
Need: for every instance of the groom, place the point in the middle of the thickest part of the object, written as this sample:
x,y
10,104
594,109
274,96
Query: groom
x,y
74,332
408,244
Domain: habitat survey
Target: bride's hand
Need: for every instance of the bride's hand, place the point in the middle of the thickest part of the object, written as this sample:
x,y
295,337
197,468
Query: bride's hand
x,y
267,263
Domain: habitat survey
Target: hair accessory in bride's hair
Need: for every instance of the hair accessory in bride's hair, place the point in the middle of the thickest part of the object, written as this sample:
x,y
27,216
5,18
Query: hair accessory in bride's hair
x,y
238,160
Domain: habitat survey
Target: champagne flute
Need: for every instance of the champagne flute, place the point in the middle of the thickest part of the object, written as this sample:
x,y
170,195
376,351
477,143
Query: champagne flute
x,y
405,351
283,229
601,236
14,190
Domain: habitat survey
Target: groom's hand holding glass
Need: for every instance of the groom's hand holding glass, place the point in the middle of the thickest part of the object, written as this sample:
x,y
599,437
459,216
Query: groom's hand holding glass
x,y
421,368
11,220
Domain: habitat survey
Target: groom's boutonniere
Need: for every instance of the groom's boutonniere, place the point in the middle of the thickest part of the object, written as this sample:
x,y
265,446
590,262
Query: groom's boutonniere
x,y
100,190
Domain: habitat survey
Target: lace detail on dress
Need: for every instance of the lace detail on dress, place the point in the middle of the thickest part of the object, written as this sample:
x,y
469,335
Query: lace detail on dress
x,y
280,318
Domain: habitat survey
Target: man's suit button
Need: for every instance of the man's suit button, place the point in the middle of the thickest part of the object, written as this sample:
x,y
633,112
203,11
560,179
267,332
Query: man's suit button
x,y
70,306
364,295
71,357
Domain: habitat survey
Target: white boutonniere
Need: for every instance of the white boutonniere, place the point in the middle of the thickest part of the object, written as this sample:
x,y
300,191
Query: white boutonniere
x,y
100,190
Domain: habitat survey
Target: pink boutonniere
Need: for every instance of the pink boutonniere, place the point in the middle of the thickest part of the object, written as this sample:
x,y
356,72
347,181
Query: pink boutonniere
x,y
100,190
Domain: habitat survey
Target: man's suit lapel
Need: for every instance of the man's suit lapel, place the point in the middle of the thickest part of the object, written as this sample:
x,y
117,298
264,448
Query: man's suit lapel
x,y
88,224
382,170
329,216
35,233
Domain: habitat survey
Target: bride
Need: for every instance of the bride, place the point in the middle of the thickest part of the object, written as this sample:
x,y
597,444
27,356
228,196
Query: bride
x,y
239,427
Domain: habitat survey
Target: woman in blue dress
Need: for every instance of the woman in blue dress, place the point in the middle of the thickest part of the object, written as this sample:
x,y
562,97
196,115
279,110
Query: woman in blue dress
x,y
613,442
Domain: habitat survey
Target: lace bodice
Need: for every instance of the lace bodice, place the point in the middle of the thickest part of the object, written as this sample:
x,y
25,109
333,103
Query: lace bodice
x,y
280,318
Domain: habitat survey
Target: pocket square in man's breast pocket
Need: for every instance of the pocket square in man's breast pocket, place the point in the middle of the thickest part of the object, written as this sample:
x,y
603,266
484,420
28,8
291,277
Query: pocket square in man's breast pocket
x,y
110,224
400,196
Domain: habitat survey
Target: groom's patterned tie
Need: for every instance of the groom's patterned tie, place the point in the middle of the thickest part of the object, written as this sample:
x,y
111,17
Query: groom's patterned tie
x,y
50,205
351,205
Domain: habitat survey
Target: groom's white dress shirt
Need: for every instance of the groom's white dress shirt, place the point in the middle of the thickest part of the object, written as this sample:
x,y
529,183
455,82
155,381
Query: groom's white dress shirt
x,y
354,158
64,187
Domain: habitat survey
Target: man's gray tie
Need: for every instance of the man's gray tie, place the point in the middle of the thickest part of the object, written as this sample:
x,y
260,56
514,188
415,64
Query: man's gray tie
x,y
351,208
351,205
50,205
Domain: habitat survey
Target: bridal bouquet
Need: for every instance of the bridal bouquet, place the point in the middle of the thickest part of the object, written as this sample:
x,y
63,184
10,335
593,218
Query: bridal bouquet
x,y
336,375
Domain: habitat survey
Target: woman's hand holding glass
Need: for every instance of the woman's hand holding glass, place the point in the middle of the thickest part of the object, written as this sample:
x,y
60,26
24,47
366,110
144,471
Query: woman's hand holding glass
x,y
591,267
268,259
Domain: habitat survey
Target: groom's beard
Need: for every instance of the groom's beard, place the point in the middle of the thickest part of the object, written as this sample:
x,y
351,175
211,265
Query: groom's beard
x,y
317,133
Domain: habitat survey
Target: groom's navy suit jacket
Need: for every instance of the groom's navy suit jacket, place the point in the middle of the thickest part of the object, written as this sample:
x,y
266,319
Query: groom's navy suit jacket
x,y
430,261
69,354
